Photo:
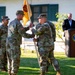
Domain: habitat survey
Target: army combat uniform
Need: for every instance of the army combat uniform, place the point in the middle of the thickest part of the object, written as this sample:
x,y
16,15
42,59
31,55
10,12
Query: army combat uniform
x,y
45,46
53,30
3,36
52,26
15,33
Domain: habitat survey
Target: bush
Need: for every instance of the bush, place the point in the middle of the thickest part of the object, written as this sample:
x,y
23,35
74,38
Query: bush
x,y
59,23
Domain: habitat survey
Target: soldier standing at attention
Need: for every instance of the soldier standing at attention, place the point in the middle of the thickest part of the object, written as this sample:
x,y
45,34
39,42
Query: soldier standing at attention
x,y
14,39
3,36
45,44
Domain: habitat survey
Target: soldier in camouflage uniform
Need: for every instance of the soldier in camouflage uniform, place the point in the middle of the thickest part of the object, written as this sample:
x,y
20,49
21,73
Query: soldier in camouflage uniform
x,y
45,45
3,36
54,38
53,30
15,33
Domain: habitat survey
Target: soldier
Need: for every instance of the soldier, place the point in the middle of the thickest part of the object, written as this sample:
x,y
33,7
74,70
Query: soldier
x,y
3,36
15,33
53,30
54,38
45,44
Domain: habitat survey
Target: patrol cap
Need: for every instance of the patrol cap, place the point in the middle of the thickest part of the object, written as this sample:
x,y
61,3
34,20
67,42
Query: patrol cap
x,y
19,12
5,18
42,15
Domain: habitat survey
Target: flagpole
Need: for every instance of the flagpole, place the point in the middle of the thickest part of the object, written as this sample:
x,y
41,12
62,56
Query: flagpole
x,y
37,52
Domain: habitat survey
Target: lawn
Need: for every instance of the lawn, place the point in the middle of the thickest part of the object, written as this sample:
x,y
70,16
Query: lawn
x,y
29,64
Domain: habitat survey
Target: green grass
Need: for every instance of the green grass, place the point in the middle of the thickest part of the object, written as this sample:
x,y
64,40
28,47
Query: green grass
x,y
29,64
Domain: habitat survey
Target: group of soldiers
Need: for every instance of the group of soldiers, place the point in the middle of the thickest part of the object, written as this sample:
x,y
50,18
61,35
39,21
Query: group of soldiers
x,y
11,38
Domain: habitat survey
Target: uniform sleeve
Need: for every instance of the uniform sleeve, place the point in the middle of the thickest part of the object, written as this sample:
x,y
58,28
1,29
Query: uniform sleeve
x,y
2,32
53,31
22,31
40,30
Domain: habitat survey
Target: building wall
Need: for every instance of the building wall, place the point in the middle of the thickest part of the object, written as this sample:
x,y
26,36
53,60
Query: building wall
x,y
11,7
65,6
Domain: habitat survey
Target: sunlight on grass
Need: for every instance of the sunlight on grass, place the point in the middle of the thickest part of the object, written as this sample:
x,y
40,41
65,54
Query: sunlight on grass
x,y
59,54
29,64
71,66
28,54
29,68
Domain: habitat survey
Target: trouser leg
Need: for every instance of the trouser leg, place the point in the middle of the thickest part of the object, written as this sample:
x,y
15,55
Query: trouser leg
x,y
43,52
55,64
3,59
15,65
13,60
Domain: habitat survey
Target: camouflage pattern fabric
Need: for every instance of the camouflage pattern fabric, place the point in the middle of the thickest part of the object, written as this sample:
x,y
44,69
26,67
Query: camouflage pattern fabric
x,y
45,46
15,33
3,36
53,30
54,38
53,61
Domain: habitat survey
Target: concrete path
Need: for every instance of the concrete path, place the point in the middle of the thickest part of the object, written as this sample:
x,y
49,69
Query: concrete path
x,y
59,46
29,45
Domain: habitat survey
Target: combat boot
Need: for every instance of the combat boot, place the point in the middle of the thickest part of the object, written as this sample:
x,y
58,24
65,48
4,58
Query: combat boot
x,y
13,74
47,69
9,74
42,73
58,73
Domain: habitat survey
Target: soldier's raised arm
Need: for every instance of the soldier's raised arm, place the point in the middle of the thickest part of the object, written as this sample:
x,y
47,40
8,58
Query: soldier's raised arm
x,y
41,29
22,31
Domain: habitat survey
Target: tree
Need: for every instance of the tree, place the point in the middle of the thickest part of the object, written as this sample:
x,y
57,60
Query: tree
x,y
59,23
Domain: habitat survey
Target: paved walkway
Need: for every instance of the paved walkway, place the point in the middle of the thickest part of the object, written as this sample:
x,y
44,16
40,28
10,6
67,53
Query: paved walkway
x,y
59,46
29,45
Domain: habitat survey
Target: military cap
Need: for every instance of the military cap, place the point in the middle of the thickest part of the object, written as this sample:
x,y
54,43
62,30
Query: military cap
x,y
5,18
19,12
42,15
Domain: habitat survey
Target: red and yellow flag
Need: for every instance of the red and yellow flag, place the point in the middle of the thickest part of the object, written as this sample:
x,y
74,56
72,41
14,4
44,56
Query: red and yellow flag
x,y
27,12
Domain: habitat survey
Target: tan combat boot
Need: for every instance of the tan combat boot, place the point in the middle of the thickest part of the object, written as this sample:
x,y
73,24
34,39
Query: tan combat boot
x,y
47,69
13,74
58,73
9,72
42,73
